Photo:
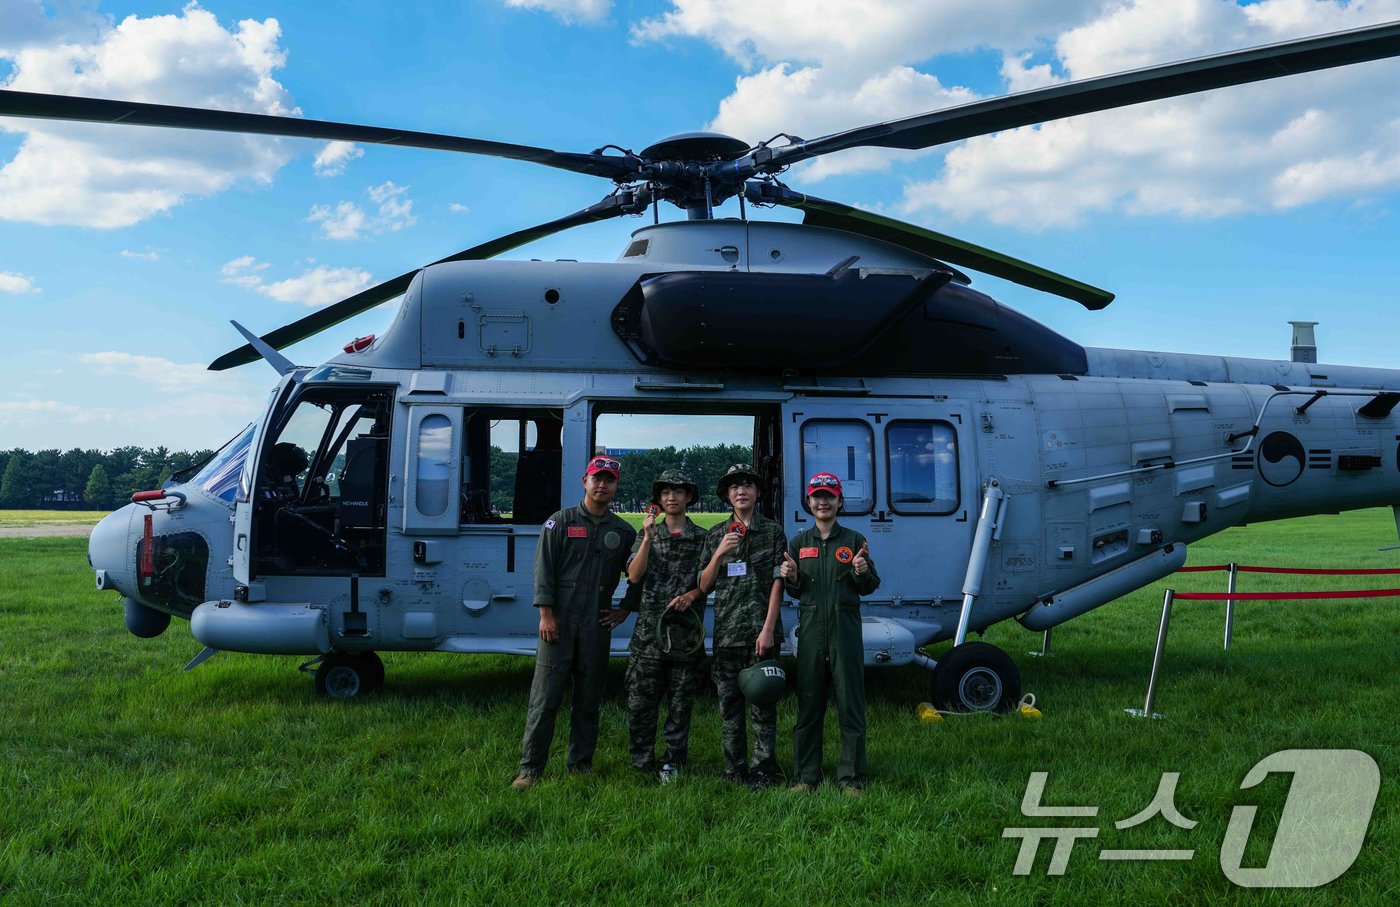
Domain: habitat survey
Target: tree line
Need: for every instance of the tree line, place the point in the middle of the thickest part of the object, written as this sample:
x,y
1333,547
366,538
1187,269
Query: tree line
x,y
86,479
704,465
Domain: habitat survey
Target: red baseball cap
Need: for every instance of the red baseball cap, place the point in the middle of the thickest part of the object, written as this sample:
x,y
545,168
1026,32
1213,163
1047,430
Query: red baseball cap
x,y
604,464
824,481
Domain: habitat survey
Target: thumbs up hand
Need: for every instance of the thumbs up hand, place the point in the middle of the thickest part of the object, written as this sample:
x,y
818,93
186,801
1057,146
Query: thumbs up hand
x,y
861,564
788,570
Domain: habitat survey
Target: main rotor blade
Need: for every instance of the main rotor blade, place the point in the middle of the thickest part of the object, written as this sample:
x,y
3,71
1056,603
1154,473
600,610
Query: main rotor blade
x,y
820,212
321,319
132,113
1106,92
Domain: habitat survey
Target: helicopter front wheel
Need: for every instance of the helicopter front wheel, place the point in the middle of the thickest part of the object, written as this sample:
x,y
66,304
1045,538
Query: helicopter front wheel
x,y
346,675
976,677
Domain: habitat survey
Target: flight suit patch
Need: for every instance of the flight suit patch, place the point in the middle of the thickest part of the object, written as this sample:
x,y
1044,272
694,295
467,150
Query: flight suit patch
x,y
845,555
808,552
612,539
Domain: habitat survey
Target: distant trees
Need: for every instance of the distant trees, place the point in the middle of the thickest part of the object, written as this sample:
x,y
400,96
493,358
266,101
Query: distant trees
x,y
704,464
71,479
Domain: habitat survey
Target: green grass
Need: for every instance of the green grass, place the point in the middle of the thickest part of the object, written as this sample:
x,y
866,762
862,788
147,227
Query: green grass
x,y
23,519
126,781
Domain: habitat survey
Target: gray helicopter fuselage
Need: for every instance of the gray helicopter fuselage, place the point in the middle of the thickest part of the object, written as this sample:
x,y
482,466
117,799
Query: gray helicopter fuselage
x,y
1107,468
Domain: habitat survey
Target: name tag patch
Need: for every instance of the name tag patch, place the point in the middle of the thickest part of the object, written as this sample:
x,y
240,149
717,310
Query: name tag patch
x,y
578,532
808,552
739,568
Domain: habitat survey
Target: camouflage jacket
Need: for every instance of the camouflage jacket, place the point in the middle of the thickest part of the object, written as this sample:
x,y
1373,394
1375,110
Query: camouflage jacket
x,y
741,592
673,567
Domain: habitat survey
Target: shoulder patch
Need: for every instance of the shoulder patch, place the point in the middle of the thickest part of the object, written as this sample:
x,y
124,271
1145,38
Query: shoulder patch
x,y
845,555
549,523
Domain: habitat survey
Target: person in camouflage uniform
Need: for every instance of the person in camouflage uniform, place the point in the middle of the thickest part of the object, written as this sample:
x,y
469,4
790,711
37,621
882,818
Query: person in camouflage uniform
x,y
742,560
580,557
664,656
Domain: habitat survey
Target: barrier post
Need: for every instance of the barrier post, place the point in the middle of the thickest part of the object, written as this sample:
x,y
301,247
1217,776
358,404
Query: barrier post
x,y
1044,646
1230,605
1146,711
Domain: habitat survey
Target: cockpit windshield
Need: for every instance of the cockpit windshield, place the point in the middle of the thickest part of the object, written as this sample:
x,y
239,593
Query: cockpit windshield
x,y
219,476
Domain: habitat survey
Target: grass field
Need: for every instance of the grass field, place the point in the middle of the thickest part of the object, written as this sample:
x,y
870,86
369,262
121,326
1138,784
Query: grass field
x,y
26,518
125,780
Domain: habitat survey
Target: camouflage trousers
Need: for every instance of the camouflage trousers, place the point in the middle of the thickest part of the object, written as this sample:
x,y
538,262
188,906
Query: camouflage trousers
x,y
649,680
728,663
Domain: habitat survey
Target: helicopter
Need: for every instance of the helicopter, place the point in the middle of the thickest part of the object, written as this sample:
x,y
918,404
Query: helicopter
x,y
1046,479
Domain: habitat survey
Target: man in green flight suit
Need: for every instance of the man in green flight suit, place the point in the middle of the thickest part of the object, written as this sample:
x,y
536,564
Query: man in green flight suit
x,y
741,562
827,568
665,650
580,556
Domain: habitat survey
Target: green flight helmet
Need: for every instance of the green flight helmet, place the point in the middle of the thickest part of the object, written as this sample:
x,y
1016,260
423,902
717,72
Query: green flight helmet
x,y
764,683
681,633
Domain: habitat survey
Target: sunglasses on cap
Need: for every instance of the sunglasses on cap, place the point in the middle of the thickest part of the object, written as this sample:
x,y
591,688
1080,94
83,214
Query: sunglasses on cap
x,y
604,464
824,481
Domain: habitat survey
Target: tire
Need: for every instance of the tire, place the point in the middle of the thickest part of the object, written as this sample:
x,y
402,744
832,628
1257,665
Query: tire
x,y
976,677
343,675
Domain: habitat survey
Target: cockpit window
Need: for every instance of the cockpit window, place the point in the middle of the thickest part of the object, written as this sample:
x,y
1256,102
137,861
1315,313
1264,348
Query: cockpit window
x,y
219,476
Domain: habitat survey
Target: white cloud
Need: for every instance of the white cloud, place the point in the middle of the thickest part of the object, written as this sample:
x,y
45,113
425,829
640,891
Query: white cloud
x,y
1259,147
109,176
457,208
162,374
21,413
17,283
140,256
822,66
345,221
243,272
335,157
569,11
858,36
814,101
348,220
317,286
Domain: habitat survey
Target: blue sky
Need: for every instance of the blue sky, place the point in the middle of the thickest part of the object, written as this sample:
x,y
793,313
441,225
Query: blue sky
x,y
124,252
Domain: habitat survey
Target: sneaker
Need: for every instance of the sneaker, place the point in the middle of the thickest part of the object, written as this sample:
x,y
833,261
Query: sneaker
x,y
802,787
669,773
761,780
525,780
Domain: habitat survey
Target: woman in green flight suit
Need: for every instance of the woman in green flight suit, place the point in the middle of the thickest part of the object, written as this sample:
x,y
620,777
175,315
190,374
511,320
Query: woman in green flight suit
x,y
828,569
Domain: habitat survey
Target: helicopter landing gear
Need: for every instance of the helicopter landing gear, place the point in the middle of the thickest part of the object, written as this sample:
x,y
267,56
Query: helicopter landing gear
x,y
976,677
346,675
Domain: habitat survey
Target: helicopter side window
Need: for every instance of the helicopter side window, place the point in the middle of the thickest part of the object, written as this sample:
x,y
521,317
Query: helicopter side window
x,y
322,484
845,448
923,467
511,470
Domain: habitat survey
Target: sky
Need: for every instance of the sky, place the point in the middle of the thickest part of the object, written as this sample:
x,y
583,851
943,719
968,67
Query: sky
x,y
124,251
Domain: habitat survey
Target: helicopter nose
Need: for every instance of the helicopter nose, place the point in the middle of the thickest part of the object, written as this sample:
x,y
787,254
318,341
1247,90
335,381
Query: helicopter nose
x,y
112,551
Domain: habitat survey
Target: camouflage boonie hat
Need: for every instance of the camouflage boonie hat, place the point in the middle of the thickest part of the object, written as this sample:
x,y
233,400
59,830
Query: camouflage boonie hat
x,y
676,479
733,474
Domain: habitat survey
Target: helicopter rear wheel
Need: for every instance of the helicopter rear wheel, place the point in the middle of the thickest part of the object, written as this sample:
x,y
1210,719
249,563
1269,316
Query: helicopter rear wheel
x,y
346,675
976,677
